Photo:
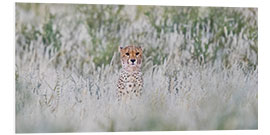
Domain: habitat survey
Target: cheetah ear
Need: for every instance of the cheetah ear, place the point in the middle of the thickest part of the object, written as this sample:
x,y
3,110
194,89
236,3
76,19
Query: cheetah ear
x,y
120,48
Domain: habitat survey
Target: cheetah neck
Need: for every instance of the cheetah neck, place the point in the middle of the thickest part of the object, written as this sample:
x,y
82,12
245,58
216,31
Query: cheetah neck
x,y
131,69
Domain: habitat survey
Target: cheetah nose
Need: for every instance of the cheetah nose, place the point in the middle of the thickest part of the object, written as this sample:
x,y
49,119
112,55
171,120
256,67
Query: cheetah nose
x,y
132,60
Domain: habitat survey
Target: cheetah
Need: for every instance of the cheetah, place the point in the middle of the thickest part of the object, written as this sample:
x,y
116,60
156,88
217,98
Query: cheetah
x,y
130,81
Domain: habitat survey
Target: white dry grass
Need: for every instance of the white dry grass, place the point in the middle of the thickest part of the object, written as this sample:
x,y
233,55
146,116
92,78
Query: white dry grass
x,y
72,88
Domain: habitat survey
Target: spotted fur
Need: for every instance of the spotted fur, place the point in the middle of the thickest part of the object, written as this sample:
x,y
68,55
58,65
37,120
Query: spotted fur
x,y
130,81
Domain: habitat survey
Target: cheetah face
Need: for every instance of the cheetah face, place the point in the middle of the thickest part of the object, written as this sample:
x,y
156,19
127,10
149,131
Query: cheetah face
x,y
131,57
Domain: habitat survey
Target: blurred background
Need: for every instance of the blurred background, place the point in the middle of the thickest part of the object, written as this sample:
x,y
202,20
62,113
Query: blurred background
x,y
200,66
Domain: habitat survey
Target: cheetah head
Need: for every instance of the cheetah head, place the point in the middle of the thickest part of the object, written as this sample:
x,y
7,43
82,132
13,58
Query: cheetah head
x,y
131,57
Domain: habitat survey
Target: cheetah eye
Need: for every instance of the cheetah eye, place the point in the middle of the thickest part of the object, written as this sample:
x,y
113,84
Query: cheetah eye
x,y
127,54
137,53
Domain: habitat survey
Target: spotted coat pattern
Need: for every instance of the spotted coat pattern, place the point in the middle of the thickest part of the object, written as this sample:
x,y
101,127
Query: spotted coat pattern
x,y
130,82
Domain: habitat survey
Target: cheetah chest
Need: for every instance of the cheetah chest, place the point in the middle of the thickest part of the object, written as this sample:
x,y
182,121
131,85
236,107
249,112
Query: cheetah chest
x,y
130,83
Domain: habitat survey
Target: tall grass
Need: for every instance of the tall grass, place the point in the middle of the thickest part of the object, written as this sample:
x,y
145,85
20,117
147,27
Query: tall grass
x,y
200,67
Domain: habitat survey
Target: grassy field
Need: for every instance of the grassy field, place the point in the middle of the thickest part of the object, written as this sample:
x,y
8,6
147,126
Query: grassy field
x,y
200,67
